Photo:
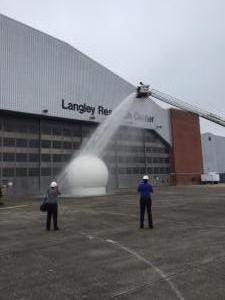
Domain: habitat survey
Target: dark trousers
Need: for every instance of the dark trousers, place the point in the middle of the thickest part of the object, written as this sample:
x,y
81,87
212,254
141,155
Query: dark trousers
x,y
146,203
52,210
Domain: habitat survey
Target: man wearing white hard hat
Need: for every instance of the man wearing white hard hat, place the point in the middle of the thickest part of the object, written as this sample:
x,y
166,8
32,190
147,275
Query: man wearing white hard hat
x,y
52,206
145,190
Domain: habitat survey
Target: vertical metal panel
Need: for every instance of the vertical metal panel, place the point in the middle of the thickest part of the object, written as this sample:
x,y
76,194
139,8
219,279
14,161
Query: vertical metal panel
x,y
213,148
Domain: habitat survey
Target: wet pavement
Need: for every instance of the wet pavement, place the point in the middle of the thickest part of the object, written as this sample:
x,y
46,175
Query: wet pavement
x,y
100,252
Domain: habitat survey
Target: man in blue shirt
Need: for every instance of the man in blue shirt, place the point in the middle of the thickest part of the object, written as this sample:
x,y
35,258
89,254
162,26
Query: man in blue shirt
x,y
145,189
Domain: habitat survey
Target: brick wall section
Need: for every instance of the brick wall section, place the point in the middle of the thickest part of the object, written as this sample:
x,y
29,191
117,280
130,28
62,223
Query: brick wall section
x,y
186,152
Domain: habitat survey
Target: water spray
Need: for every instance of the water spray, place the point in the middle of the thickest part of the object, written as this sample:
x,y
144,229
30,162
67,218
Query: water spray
x,y
87,174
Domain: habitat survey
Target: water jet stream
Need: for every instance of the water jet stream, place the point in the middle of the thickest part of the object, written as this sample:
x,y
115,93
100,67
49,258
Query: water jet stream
x,y
76,176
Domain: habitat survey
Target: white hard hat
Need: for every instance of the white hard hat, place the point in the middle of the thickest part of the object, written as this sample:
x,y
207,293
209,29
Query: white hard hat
x,y
145,177
53,184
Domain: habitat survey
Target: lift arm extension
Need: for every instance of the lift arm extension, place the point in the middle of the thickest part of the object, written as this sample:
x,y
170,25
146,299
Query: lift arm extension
x,y
143,91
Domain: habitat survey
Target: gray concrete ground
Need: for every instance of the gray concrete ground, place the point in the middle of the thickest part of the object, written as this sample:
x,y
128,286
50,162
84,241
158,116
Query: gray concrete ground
x,y
100,253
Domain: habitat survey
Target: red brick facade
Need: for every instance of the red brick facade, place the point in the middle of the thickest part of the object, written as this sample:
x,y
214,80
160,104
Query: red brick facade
x,y
186,152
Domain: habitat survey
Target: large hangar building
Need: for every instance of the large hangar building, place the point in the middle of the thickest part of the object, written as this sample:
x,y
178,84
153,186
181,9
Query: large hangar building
x,y
52,97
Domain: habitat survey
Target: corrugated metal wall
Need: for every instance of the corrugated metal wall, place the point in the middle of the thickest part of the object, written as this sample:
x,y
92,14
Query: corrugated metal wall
x,y
38,71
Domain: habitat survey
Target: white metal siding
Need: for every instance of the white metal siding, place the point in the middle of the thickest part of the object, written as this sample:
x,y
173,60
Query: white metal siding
x,y
213,152
38,71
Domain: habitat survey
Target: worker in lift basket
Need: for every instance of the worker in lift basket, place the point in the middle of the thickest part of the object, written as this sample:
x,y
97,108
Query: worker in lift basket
x,y
142,90
145,189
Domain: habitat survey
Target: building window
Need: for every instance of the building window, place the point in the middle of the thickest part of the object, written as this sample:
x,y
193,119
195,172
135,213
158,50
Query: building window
x,y
112,171
77,131
34,172
56,171
57,157
209,138
21,157
45,171
46,144
66,157
129,170
33,157
149,159
22,127
46,157
149,149
34,129
121,159
166,150
34,143
150,170
135,170
156,170
67,145
9,142
122,171
76,145
162,170
141,160
21,172
8,172
21,143
9,126
156,159
8,156
46,130
150,139
56,131
66,132
142,171
57,144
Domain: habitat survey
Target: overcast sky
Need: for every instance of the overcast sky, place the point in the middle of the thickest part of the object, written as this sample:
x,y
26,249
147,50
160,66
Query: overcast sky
x,y
178,46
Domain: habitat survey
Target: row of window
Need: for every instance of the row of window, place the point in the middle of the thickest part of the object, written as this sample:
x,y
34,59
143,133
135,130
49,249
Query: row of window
x,y
127,137
12,125
128,171
32,128
11,172
130,148
22,172
23,143
61,131
150,139
136,159
12,142
34,157
156,150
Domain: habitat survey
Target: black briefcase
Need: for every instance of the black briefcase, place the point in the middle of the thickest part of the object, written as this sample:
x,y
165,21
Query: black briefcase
x,y
43,206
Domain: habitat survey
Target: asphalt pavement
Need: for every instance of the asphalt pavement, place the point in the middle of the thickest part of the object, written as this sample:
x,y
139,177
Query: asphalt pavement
x,y
100,252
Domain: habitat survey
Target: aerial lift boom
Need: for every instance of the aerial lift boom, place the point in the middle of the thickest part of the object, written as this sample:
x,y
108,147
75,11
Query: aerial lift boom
x,y
144,91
